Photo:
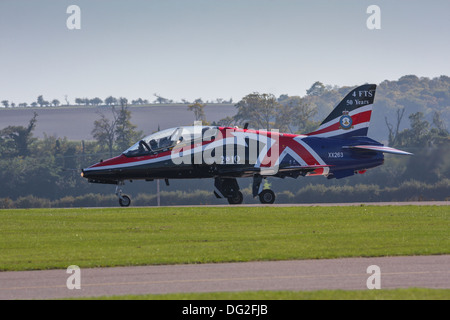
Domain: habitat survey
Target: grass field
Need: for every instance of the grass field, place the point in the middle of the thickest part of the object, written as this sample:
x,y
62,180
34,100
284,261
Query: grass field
x,y
390,294
56,238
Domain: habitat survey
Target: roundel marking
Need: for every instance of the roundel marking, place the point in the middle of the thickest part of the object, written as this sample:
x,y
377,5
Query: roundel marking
x,y
346,122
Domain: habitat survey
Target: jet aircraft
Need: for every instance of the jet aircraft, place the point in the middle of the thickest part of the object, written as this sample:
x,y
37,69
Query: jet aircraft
x,y
339,148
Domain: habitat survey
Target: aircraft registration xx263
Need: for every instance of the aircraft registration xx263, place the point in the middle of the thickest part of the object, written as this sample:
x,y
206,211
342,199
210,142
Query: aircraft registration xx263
x,y
338,148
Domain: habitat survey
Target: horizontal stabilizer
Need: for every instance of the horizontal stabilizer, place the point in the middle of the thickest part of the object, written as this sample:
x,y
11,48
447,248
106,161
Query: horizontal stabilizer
x,y
380,149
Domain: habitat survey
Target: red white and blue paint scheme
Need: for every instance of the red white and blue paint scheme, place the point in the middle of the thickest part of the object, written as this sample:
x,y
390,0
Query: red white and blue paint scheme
x,y
338,148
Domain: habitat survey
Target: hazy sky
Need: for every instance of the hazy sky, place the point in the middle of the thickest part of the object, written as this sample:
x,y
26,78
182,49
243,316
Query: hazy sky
x,y
214,49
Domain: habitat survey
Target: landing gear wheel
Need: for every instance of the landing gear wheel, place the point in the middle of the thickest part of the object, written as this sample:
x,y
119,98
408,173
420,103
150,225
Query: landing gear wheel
x,y
267,197
237,198
124,201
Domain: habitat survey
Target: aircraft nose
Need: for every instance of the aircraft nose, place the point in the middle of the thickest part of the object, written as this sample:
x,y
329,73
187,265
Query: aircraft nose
x,y
85,174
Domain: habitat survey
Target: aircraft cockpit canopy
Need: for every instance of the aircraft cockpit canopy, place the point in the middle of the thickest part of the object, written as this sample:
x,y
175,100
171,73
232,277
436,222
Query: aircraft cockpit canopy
x,y
168,138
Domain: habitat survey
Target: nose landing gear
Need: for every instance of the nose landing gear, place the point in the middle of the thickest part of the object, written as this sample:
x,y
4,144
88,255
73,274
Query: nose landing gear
x,y
124,200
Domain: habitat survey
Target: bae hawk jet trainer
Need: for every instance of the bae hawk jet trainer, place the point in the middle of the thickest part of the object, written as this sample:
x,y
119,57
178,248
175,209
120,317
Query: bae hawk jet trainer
x,y
337,149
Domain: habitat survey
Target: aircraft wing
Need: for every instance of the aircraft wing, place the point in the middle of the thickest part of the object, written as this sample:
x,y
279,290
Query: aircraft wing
x,y
380,149
309,167
299,168
233,171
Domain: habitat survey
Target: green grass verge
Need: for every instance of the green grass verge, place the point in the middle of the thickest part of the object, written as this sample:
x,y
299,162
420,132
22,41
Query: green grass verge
x,y
391,294
56,238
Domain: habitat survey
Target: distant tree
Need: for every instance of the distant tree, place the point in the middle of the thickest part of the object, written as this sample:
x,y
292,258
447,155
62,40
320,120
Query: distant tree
x,y
138,101
17,139
259,110
55,102
294,112
95,101
393,133
282,97
408,80
160,99
438,122
316,89
110,101
117,132
42,102
225,122
419,125
199,111
5,103
105,132
418,135
79,101
125,131
142,101
123,101
284,118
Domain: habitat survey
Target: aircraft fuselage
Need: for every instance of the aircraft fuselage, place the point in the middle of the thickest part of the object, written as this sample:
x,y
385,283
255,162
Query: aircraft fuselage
x,y
296,155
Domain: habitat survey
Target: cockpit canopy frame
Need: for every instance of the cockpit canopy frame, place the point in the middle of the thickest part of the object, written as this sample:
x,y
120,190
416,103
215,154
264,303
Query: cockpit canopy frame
x,y
165,140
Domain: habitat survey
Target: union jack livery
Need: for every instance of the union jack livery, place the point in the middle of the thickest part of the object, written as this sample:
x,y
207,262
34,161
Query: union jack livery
x,y
338,148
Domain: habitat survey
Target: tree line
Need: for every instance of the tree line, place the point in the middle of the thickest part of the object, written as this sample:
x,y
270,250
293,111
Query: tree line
x,y
46,172
108,101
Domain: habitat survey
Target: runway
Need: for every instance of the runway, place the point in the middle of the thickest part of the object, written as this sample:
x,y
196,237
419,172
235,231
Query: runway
x,y
298,275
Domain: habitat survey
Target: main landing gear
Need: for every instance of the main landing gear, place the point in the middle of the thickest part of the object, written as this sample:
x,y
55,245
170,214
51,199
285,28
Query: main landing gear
x,y
229,188
266,196
124,200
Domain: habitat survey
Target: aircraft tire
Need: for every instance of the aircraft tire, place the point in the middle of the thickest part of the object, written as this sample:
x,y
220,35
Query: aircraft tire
x,y
267,197
124,201
236,198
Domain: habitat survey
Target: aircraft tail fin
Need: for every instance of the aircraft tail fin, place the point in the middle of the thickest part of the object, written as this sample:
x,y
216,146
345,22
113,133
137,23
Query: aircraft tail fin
x,y
351,117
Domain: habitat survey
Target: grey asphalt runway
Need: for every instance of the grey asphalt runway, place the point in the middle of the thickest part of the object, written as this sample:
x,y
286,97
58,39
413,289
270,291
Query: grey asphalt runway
x,y
346,274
